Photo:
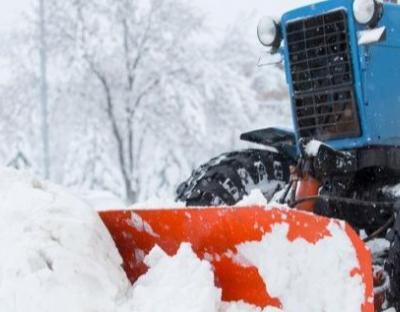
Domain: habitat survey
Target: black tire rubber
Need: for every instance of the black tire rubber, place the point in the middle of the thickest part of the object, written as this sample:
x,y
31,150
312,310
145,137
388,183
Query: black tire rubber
x,y
392,267
226,179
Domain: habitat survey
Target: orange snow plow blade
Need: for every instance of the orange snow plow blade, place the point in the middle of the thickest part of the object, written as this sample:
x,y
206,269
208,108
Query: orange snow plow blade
x,y
215,235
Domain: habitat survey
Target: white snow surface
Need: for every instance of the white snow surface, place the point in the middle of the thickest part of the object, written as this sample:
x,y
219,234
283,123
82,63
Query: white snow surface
x,y
56,254
313,277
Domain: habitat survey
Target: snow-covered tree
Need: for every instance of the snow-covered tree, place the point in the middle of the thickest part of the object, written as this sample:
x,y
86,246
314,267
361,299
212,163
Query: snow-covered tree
x,y
139,93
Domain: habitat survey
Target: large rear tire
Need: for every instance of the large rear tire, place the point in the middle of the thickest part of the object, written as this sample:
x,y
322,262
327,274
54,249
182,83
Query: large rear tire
x,y
226,179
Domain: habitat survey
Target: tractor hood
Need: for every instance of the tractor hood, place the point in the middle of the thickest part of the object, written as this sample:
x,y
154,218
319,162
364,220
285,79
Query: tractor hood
x,y
342,84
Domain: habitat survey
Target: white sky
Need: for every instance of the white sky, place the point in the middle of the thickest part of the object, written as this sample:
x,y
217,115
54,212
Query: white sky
x,y
10,11
221,12
225,11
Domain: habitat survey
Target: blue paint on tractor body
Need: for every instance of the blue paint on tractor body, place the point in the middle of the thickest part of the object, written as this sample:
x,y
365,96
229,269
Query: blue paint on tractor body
x,y
376,70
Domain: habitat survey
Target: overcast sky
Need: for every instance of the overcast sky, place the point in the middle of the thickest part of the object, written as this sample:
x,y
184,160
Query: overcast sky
x,y
221,12
225,11
10,10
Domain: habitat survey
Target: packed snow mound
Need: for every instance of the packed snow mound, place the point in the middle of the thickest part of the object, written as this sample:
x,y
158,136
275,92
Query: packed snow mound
x,y
56,254
181,283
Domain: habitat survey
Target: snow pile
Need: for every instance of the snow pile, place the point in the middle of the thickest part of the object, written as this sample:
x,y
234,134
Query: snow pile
x,y
255,198
312,148
313,277
181,283
56,254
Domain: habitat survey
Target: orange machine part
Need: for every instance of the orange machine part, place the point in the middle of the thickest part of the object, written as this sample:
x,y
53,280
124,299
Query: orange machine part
x,y
217,232
307,187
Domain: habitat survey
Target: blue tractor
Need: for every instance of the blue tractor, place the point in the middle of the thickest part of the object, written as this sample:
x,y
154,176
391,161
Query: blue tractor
x,y
342,64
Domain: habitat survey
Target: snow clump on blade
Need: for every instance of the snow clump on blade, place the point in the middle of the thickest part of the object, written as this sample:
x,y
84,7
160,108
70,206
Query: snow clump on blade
x,y
180,283
313,277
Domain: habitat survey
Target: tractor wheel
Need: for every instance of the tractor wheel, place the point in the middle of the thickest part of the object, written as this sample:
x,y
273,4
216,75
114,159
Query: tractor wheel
x,y
226,179
393,267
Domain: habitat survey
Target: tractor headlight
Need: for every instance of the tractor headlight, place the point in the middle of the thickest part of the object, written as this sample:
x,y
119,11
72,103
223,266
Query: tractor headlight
x,y
367,12
268,32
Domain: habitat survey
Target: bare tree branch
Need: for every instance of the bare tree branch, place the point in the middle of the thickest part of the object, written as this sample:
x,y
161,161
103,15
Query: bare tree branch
x,y
115,130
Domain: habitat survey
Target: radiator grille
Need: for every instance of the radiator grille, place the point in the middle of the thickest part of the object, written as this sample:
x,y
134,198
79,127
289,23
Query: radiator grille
x,y
322,76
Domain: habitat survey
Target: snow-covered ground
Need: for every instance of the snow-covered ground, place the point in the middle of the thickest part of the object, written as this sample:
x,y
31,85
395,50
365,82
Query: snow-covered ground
x,y
56,255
